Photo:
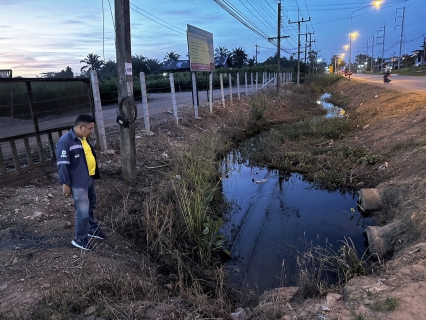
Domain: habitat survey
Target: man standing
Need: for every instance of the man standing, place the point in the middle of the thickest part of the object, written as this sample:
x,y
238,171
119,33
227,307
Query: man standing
x,y
77,170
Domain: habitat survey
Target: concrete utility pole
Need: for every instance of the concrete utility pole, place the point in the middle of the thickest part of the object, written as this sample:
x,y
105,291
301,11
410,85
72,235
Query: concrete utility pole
x,y
402,34
279,37
125,89
310,49
298,44
306,43
382,29
278,47
372,56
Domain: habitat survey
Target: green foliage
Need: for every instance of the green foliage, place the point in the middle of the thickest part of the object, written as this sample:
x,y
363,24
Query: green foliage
x,y
322,80
410,71
93,62
239,57
316,127
388,305
360,156
258,104
195,184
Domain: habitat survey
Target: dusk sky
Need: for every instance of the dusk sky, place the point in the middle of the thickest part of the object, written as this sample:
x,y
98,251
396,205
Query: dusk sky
x,y
39,36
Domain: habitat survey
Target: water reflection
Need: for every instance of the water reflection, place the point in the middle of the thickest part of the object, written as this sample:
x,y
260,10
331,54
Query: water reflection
x,y
274,214
332,110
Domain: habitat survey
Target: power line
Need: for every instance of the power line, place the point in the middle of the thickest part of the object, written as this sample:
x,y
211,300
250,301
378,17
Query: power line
x,y
152,18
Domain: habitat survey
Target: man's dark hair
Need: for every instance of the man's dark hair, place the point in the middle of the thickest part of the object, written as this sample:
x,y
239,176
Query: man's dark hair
x,y
84,118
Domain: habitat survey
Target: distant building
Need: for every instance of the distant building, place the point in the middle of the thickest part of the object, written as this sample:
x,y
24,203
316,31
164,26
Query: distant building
x,y
6,73
418,56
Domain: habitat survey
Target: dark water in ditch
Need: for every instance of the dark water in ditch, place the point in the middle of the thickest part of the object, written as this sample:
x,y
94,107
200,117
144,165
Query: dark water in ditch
x,y
276,214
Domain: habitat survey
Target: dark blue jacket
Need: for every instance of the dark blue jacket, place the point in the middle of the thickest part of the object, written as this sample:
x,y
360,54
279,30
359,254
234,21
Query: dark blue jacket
x,y
71,162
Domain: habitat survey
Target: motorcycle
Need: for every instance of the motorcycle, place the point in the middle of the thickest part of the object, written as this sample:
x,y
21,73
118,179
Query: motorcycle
x,y
386,77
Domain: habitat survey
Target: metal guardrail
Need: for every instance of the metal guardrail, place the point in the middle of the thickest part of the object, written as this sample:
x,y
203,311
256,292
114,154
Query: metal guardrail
x,y
27,152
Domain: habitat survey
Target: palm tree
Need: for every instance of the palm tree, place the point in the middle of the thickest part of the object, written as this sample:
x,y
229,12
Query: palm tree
x,y
93,62
171,56
153,64
108,70
222,52
239,57
139,64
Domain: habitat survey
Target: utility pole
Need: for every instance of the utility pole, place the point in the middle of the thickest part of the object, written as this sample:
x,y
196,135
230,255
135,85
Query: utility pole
x,y
424,53
306,42
382,29
402,33
372,56
125,89
298,43
256,52
310,49
278,38
278,47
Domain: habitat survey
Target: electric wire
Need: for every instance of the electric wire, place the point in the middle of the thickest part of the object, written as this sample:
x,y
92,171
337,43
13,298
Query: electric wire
x,y
270,27
156,19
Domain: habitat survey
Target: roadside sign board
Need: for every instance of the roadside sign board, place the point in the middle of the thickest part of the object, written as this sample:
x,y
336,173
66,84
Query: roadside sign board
x,y
201,49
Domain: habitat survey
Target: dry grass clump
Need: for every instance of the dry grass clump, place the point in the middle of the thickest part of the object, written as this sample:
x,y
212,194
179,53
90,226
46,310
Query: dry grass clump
x,y
321,267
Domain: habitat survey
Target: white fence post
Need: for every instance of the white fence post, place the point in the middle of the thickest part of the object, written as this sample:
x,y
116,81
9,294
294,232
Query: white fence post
x,y
230,86
99,116
194,93
144,103
245,81
222,90
211,91
238,85
172,87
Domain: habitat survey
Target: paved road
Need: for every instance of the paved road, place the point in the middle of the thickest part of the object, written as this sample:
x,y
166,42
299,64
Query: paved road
x,y
162,102
400,83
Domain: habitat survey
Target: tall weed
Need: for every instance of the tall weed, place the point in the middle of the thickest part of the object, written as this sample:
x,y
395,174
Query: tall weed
x,y
194,182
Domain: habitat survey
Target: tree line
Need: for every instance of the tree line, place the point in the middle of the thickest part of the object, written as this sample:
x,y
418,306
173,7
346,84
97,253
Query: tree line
x,y
107,70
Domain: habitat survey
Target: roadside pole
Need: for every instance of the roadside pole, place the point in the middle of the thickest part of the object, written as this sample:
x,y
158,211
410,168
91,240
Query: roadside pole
x,y
125,89
99,116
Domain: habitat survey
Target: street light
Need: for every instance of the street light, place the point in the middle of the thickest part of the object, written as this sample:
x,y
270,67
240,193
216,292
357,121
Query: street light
x,y
376,4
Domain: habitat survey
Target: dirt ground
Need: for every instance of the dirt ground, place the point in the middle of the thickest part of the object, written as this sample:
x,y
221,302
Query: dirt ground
x,y
37,223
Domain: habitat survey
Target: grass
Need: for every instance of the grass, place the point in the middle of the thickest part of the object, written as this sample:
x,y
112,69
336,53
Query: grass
x,y
410,71
318,82
359,316
194,181
388,305
106,294
304,147
321,267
